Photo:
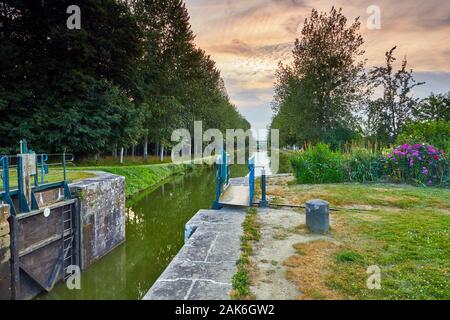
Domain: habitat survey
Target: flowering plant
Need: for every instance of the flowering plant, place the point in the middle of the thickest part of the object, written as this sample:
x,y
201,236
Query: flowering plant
x,y
421,163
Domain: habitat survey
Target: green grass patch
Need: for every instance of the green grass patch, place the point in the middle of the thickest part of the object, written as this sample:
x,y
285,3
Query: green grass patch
x,y
406,237
402,229
349,256
241,280
142,177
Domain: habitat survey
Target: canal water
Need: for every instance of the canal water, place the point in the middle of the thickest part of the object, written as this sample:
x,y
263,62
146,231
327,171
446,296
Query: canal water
x,y
154,235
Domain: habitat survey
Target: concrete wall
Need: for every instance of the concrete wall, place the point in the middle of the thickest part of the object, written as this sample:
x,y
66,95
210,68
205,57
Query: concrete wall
x,y
5,254
102,214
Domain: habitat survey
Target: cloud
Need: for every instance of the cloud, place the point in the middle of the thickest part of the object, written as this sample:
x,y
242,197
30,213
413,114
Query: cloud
x,y
247,39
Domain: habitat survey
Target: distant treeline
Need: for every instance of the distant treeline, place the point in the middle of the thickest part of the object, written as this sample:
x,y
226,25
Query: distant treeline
x,y
131,75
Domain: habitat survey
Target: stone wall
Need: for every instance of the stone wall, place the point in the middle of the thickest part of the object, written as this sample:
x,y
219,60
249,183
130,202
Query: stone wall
x,y
102,215
5,254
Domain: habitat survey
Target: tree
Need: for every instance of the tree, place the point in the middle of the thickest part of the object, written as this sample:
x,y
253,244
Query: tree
x,y
435,107
324,87
386,115
58,84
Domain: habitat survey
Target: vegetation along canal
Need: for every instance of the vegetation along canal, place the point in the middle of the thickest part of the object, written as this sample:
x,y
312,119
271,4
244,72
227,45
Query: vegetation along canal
x,y
154,235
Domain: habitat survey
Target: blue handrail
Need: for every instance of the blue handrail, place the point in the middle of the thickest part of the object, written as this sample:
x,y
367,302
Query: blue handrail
x,y
222,177
23,196
251,178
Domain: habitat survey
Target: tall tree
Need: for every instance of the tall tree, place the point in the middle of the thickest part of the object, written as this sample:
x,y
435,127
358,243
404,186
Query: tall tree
x,y
387,114
51,72
325,85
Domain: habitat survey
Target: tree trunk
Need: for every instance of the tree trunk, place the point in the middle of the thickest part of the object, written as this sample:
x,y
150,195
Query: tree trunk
x,y
162,152
132,150
157,149
121,155
146,148
114,151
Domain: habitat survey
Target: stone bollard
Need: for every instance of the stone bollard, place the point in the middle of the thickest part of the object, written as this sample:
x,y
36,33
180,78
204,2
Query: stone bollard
x,y
317,216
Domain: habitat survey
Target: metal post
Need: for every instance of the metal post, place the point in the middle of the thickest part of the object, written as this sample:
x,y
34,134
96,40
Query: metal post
x,y
5,167
42,169
64,164
263,202
251,178
216,205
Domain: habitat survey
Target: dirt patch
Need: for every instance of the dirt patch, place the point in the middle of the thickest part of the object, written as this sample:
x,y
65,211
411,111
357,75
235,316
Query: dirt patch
x,y
309,269
281,230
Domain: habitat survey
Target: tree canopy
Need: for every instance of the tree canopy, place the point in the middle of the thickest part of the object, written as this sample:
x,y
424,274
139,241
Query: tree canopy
x,y
132,73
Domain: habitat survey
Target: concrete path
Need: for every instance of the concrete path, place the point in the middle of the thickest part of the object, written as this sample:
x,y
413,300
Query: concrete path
x,y
204,267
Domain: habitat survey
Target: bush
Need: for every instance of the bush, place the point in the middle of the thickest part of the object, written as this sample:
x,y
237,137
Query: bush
x,y
419,163
362,165
318,165
436,133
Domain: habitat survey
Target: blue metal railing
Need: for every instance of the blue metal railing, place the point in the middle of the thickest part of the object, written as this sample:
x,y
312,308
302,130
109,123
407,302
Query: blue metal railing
x,y
251,178
13,170
222,177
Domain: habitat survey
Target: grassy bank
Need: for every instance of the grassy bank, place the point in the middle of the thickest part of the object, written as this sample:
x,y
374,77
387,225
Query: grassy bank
x,y
401,229
142,177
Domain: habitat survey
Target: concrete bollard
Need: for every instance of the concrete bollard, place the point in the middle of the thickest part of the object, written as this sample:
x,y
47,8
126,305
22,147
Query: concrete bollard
x,y
317,216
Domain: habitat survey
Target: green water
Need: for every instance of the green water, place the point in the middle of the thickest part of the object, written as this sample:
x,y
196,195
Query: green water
x,y
154,235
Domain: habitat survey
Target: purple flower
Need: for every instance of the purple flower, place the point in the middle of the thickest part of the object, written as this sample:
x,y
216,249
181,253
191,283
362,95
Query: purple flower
x,y
430,182
411,163
425,171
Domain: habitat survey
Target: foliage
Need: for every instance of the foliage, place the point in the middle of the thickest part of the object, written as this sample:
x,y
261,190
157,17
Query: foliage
x,y
362,165
131,73
387,114
317,96
436,107
419,163
142,177
64,87
285,162
436,133
318,165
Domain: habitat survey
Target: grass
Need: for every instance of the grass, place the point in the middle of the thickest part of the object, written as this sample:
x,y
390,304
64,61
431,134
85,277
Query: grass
x,y
241,280
404,230
142,177
55,175
110,161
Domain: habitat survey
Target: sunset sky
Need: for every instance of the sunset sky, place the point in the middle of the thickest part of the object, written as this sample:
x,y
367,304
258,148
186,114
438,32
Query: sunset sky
x,y
247,39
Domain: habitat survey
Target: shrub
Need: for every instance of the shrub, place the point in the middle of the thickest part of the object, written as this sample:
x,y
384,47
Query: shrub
x,y
436,133
419,163
285,163
362,165
318,165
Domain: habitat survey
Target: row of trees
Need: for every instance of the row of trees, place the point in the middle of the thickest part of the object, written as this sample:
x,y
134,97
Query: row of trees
x,y
327,93
131,74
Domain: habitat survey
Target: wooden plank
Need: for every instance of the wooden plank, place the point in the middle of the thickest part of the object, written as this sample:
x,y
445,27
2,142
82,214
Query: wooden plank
x,y
41,244
53,206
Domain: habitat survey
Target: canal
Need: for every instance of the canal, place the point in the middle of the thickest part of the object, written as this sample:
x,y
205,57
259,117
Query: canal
x,y
154,235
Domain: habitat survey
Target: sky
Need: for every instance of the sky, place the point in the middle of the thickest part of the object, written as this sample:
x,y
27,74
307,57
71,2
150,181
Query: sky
x,y
248,38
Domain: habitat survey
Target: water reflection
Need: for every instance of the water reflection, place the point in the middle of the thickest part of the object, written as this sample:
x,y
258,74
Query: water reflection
x,y
154,234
